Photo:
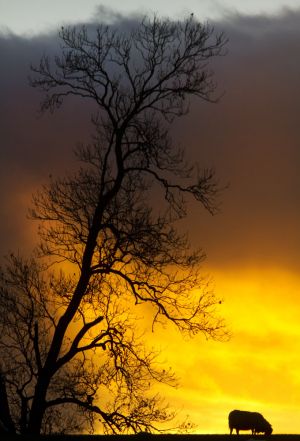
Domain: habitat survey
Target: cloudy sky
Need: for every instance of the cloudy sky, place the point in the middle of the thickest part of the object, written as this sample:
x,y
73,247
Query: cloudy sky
x,y
251,137
41,15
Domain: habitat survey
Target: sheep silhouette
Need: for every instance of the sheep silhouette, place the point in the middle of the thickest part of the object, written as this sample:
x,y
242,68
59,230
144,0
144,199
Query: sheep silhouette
x,y
254,421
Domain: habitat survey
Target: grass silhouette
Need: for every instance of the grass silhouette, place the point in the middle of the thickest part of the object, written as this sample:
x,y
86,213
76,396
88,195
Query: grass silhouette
x,y
145,436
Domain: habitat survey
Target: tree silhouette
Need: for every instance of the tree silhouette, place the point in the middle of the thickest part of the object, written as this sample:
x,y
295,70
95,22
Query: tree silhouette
x,y
69,337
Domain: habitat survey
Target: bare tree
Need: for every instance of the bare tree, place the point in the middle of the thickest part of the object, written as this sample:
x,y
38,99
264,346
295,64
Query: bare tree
x,y
69,338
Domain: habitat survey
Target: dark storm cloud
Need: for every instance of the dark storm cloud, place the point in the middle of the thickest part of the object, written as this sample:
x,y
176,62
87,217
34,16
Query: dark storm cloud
x,y
31,147
251,137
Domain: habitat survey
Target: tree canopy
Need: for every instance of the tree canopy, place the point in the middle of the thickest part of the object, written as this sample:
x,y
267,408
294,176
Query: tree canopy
x,y
69,341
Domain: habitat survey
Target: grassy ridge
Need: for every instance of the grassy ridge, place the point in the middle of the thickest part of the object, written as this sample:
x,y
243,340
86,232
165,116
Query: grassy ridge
x,y
146,437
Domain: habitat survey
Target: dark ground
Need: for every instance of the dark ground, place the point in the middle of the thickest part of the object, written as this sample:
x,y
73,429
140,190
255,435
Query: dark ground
x,y
147,437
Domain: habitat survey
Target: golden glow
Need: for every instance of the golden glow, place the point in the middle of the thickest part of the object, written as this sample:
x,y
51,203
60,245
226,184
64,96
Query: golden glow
x,y
257,370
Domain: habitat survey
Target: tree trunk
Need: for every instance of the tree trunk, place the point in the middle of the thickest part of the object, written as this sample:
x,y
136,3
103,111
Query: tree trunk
x,y
6,422
38,405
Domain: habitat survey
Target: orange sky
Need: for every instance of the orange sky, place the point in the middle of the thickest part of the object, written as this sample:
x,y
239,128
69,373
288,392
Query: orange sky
x,y
258,369
252,138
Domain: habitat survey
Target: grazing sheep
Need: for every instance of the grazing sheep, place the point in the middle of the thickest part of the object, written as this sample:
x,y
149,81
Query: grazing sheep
x,y
254,421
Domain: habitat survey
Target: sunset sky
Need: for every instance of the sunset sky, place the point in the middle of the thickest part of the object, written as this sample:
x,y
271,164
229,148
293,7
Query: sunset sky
x,y
251,138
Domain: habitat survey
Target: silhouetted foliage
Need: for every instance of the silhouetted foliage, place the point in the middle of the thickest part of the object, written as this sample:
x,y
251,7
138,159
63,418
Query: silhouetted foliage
x,y
70,348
